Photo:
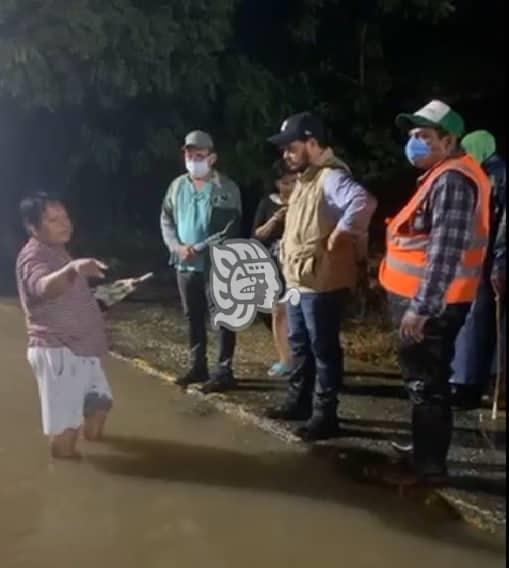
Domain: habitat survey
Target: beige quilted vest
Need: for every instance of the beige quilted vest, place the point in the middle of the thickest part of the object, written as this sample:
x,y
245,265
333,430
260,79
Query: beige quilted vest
x,y
306,263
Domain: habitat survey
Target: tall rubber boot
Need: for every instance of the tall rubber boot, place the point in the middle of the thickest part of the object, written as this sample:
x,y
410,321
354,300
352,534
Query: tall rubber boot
x,y
432,423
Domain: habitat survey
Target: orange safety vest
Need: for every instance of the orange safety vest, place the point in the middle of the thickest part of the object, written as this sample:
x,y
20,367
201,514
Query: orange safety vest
x,y
403,267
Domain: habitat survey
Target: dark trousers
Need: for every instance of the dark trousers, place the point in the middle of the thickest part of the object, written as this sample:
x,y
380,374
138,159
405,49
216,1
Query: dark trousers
x,y
317,358
476,342
426,369
197,305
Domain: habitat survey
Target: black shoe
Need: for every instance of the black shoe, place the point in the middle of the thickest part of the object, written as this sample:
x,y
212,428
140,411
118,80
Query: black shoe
x,y
220,381
465,398
402,448
193,376
319,428
288,412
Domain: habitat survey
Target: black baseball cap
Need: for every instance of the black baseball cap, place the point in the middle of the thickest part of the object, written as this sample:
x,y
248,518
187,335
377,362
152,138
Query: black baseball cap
x,y
300,126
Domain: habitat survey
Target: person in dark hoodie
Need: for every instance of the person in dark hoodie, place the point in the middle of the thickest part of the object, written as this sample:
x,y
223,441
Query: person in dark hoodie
x,y
476,343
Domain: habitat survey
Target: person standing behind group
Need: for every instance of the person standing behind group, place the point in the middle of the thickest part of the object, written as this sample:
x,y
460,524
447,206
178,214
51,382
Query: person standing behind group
x,y
498,278
199,204
476,342
268,228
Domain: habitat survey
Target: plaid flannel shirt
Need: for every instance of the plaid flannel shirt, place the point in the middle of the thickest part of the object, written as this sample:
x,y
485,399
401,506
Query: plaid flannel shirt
x,y
447,216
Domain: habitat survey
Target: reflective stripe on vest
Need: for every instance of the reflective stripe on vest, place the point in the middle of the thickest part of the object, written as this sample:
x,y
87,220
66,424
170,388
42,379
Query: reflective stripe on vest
x,y
404,267
422,242
462,272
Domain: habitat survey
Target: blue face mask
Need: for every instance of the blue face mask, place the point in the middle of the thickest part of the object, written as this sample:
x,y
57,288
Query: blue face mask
x,y
416,149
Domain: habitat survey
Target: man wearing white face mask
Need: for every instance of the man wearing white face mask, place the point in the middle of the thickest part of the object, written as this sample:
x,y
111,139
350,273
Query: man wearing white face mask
x,y
199,204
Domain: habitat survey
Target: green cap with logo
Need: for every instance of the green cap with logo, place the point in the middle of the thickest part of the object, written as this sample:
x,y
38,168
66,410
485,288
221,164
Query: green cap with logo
x,y
435,114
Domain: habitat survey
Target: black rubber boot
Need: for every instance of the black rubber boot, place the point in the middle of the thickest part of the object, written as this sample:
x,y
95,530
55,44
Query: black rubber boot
x,y
466,397
299,398
222,380
193,376
431,433
289,411
319,427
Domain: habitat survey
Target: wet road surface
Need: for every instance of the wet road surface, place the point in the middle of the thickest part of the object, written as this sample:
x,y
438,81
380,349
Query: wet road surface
x,y
177,484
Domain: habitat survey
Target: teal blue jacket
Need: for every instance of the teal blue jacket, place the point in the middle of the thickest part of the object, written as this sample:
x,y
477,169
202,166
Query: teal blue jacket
x,y
225,206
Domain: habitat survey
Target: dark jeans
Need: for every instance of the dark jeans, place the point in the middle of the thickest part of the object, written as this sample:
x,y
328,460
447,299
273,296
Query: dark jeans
x,y
476,342
197,305
426,369
317,358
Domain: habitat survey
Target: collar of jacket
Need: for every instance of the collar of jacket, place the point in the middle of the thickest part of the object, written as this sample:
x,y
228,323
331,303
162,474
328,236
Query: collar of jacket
x,y
214,178
458,153
327,160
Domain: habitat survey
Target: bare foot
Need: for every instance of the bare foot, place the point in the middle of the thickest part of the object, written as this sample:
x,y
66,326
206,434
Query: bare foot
x,y
63,446
94,426
70,456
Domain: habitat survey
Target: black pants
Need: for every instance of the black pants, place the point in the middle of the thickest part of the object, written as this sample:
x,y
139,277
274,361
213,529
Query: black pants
x,y
426,369
317,358
197,305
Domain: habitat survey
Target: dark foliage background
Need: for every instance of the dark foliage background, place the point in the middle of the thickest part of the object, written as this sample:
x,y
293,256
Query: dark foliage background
x,y
95,97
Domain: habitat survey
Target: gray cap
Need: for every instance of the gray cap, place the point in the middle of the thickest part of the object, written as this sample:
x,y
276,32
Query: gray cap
x,y
199,139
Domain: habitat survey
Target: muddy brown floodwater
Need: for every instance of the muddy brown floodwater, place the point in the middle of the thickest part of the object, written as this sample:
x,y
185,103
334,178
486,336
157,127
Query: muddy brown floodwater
x,y
178,485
